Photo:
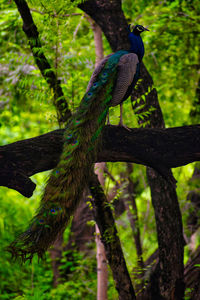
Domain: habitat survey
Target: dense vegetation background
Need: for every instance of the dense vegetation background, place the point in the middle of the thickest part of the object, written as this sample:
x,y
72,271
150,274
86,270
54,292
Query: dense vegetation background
x,y
26,107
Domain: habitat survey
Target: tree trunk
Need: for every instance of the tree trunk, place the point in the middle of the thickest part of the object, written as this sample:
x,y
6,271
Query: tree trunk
x,y
111,241
102,270
168,286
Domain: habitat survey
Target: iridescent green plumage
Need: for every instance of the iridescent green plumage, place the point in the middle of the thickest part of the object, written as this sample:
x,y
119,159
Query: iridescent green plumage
x,y
67,181
110,85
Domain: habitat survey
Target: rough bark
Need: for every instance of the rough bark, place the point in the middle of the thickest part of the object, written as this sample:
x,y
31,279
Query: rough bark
x,y
170,238
192,276
158,148
109,16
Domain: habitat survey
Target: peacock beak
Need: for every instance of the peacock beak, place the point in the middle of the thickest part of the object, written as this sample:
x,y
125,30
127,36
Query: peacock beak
x,y
146,29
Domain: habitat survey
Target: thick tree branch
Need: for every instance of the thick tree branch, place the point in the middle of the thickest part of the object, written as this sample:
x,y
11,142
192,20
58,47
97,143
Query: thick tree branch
x,y
110,17
158,148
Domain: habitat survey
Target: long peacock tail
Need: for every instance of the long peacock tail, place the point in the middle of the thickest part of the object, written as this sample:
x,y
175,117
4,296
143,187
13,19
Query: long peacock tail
x,y
67,181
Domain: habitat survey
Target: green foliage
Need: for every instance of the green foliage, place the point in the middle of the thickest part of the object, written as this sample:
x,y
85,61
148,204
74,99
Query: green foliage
x,y
81,278
171,52
17,279
26,110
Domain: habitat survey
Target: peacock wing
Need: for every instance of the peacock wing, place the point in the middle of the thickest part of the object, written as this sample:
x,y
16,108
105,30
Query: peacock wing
x,y
126,70
97,71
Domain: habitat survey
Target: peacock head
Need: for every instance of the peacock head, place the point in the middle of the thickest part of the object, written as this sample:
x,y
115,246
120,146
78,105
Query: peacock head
x,y
135,40
138,29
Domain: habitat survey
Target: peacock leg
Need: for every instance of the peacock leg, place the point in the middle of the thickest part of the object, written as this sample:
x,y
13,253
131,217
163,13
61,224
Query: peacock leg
x,y
108,119
121,118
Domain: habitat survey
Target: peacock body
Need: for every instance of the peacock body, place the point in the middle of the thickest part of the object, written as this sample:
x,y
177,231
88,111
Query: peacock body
x,y
110,84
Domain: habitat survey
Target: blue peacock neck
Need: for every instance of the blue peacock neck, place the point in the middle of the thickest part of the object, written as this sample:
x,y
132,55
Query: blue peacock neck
x,y
137,45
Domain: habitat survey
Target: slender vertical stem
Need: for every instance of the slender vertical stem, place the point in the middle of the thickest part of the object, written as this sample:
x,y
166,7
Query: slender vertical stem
x,y
111,241
102,270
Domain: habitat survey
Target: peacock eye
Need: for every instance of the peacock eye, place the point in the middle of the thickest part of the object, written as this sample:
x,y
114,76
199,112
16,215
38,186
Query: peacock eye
x,y
75,142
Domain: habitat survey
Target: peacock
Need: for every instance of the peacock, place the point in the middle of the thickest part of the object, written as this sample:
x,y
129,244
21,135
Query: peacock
x,y
111,83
